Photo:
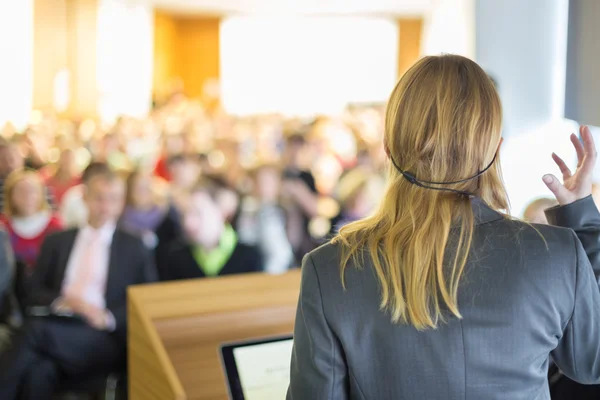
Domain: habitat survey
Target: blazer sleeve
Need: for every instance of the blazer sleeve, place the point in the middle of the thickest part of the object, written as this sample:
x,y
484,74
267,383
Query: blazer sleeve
x,y
578,350
145,273
7,266
39,290
318,368
583,217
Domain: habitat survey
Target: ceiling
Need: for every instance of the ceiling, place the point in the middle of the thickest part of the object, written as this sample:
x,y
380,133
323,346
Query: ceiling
x,y
297,7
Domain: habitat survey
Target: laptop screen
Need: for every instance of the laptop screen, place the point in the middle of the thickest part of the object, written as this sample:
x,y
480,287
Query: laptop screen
x,y
258,370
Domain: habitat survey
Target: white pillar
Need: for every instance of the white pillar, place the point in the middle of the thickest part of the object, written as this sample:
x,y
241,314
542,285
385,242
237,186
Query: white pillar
x,y
125,58
523,46
16,62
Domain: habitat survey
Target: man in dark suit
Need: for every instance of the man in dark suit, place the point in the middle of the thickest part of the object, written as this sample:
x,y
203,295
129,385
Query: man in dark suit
x,y
83,272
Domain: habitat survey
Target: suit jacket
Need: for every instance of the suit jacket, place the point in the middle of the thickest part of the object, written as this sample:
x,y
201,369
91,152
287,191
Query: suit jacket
x,y
522,298
181,264
130,263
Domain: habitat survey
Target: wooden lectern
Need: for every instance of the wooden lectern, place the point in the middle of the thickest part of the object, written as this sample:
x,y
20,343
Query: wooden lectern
x,y
176,328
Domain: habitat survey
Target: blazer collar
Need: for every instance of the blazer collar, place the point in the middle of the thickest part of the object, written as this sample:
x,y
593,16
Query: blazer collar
x,y
483,213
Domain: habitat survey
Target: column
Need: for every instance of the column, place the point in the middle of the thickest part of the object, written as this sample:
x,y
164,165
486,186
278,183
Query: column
x,y
16,65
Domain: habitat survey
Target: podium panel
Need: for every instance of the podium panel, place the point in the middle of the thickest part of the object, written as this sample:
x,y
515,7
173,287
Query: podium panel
x,y
176,329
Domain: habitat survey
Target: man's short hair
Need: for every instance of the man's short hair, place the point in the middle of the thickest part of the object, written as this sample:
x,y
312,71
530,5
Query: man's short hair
x,y
93,169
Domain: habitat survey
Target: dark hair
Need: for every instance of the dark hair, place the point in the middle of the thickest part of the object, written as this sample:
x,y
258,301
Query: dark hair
x,y
93,169
213,185
296,139
176,159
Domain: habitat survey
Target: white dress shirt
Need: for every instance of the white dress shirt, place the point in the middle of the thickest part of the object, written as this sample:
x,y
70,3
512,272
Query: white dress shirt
x,y
87,268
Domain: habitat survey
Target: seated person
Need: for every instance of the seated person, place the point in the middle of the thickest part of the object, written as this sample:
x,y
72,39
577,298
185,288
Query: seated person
x,y
7,305
262,221
142,213
65,176
183,172
534,212
27,218
73,210
85,272
210,246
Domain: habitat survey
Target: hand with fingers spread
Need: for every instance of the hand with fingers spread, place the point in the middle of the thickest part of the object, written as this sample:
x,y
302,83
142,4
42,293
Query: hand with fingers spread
x,y
578,185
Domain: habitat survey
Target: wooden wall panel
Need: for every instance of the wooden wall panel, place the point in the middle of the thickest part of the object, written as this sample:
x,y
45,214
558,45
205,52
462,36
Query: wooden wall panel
x,y
410,32
186,49
165,39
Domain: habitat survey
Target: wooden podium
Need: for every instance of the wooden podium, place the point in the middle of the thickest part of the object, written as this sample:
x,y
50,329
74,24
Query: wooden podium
x,y
176,328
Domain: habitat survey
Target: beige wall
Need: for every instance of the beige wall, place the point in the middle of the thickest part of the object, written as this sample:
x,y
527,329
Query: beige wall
x,y
65,38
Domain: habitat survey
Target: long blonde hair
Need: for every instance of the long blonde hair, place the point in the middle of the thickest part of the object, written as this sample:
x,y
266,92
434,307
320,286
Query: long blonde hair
x,y
443,124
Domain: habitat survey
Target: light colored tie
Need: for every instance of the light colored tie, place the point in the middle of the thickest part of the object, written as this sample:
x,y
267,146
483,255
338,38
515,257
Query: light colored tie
x,y
84,280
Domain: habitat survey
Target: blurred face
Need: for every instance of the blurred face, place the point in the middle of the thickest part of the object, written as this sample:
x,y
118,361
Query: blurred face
x,y
141,192
203,221
27,197
67,160
105,200
10,160
184,173
268,182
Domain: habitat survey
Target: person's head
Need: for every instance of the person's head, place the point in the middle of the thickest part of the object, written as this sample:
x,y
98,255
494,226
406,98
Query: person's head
x,y
267,183
295,145
184,170
140,193
104,196
93,169
534,212
11,158
24,194
443,124
203,218
67,162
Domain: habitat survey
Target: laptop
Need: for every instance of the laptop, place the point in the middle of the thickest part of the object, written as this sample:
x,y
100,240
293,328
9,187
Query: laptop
x,y
258,369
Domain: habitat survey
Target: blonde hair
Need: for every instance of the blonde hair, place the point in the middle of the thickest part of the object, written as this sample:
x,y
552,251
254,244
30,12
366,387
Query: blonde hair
x,y
10,209
443,124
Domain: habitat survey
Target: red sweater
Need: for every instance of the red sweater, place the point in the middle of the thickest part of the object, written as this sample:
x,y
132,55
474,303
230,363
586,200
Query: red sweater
x,y
27,249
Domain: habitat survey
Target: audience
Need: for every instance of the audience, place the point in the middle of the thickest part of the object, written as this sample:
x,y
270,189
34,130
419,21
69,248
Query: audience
x,y
299,193
210,246
85,272
27,217
142,213
354,195
65,175
262,221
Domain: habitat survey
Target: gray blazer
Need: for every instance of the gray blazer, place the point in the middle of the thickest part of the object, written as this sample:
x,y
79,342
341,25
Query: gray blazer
x,y
521,302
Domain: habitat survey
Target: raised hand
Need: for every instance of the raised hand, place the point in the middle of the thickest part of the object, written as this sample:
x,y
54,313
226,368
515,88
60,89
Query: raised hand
x,y
578,185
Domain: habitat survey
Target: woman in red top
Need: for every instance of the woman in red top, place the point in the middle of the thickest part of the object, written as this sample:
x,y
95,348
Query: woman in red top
x,y
65,176
27,216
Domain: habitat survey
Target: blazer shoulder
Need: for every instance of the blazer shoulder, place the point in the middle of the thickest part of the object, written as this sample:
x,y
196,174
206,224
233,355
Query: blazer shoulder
x,y
126,236
61,235
548,235
328,254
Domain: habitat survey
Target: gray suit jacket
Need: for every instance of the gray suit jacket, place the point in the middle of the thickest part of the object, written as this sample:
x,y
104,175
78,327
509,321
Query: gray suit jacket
x,y
521,302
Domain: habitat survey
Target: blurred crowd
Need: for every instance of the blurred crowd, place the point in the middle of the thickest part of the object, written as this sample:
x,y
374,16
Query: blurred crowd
x,y
263,189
